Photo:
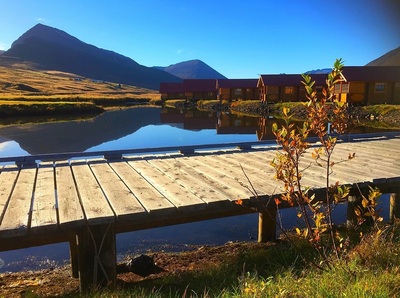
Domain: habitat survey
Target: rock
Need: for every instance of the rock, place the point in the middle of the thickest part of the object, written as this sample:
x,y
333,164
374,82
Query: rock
x,y
142,265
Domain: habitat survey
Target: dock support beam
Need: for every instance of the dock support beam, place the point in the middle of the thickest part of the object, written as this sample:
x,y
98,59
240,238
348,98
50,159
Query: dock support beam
x,y
97,257
351,220
267,224
394,206
73,255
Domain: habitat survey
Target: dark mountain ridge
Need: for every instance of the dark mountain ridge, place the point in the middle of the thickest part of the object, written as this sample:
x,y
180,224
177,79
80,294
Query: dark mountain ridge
x,y
55,49
192,69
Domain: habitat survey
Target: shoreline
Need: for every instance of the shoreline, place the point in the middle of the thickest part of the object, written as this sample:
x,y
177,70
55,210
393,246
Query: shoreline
x,y
386,115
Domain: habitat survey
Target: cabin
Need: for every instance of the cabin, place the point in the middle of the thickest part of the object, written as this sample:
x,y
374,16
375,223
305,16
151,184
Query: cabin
x,y
361,85
196,89
211,89
237,89
172,90
286,87
372,84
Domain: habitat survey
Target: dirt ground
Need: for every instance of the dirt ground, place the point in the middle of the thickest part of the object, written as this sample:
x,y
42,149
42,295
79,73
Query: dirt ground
x,y
58,281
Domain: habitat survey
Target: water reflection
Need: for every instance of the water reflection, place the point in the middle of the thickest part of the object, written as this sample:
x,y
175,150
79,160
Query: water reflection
x,y
141,127
79,135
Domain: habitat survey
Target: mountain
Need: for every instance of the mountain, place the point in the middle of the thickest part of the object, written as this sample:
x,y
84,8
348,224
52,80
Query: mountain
x,y
53,49
192,69
391,58
319,71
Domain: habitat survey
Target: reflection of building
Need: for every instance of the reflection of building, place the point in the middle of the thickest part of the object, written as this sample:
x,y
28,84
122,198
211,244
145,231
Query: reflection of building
x,y
192,119
264,131
362,85
236,124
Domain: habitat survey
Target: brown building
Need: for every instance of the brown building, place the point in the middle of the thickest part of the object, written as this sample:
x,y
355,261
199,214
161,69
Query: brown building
x,y
172,90
286,87
223,89
196,89
363,85
235,89
372,84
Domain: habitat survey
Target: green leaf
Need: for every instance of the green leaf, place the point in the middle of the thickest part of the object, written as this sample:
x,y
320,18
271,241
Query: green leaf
x,y
274,127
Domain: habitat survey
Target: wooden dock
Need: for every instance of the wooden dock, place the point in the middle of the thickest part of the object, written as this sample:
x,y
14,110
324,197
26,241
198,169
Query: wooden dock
x,y
86,198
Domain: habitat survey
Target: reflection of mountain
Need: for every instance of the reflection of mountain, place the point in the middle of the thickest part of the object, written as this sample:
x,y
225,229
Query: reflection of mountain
x,y
80,135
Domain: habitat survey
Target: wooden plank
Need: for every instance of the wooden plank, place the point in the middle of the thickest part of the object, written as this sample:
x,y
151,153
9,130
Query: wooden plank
x,y
234,172
8,177
314,176
123,202
16,219
44,213
177,194
375,161
181,174
216,179
391,146
232,164
257,166
187,167
95,205
150,198
377,168
70,211
261,175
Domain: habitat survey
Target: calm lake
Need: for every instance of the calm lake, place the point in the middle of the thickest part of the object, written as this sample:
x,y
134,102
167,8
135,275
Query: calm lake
x,y
139,127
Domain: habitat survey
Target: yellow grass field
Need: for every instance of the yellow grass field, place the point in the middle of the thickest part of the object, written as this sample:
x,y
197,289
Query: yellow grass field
x,y
21,81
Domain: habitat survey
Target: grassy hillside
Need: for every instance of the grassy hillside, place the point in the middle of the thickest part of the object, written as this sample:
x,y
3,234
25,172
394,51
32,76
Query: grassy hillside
x,y
21,81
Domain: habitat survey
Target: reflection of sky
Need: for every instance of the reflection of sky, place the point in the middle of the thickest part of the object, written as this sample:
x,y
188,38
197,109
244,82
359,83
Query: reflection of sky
x,y
152,136
11,148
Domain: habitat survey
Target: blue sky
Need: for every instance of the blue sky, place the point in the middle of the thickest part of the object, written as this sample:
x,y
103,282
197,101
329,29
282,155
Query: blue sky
x,y
240,39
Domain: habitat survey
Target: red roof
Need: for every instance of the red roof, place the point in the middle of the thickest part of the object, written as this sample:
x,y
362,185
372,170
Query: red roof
x,y
200,85
175,87
372,73
237,83
290,79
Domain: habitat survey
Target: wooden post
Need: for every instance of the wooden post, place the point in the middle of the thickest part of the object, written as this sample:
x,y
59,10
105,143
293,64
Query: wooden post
x,y
351,214
394,211
267,224
73,255
97,257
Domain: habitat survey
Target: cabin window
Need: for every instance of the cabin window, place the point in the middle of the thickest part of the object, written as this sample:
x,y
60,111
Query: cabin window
x,y
289,90
238,91
380,87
